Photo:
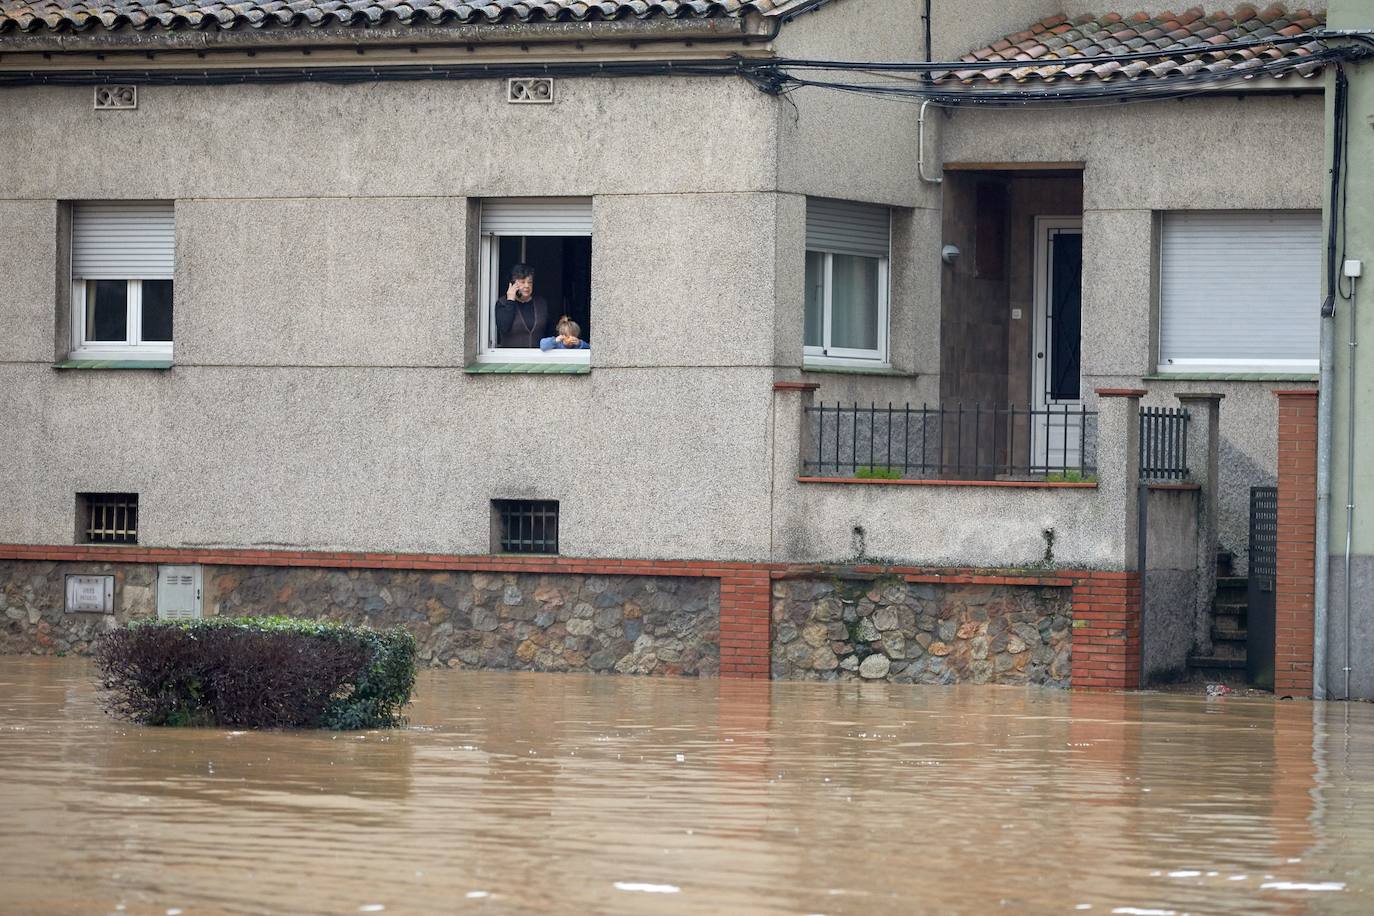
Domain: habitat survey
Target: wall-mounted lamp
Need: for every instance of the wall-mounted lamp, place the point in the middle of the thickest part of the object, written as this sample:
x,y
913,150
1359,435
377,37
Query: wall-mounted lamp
x,y
949,254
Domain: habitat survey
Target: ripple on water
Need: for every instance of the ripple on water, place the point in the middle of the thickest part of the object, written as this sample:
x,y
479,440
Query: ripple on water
x,y
539,793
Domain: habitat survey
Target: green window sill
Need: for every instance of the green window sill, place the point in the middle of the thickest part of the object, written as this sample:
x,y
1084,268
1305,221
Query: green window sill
x,y
549,368
856,370
114,364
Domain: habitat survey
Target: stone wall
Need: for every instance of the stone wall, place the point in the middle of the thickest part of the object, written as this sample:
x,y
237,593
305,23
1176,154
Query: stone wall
x,y
660,625
889,629
33,598
628,624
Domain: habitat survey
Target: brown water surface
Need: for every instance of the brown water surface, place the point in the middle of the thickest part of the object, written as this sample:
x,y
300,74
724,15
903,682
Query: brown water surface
x,y
517,793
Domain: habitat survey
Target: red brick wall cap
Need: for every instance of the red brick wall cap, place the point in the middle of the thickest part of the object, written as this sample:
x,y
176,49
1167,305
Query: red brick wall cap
x,y
1121,392
796,386
1296,392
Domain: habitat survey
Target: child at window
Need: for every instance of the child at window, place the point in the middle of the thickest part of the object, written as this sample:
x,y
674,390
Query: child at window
x,y
569,337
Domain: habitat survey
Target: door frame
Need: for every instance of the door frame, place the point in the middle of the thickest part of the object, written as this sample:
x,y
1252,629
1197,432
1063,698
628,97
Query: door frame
x,y
1045,227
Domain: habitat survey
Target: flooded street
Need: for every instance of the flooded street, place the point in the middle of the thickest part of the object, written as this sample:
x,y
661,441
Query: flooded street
x,y
516,793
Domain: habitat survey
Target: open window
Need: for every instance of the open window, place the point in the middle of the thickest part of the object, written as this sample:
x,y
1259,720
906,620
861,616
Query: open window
x,y
123,254
553,238
846,282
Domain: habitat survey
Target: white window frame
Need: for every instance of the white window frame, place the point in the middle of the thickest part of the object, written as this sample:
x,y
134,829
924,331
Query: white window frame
x,y
1216,365
133,345
829,355
489,268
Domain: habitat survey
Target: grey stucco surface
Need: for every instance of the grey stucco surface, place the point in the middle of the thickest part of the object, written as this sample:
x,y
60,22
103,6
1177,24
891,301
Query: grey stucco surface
x,y
393,459
1170,581
353,281
428,138
30,279
1351,633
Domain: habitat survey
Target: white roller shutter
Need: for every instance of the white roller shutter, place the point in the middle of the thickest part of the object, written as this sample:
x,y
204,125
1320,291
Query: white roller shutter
x,y
843,227
123,240
537,216
1239,288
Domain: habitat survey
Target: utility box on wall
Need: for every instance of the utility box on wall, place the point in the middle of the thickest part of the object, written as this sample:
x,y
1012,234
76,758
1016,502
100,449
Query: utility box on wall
x,y
90,594
178,592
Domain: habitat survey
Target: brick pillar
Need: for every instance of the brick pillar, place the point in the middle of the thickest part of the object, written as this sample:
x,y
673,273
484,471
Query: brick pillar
x,y
1295,560
1106,604
745,604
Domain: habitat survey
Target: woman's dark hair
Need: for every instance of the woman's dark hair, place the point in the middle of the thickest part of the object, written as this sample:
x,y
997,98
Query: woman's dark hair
x,y
520,272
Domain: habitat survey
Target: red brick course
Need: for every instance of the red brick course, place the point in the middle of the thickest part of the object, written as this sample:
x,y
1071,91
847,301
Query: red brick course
x,y
1106,605
1295,564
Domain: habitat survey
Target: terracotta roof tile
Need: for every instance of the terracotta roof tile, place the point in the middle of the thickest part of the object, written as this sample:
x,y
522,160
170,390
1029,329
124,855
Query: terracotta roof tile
x,y
33,15
1185,43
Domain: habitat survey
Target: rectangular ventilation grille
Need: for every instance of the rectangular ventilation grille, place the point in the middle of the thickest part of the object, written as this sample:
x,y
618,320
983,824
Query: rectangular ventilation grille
x,y
110,518
530,90
527,525
116,98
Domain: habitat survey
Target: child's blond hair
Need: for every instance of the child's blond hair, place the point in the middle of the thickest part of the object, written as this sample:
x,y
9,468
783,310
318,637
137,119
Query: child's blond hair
x,y
568,328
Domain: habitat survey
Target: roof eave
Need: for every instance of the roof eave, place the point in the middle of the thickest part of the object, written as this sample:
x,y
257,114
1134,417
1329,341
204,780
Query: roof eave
x,y
720,28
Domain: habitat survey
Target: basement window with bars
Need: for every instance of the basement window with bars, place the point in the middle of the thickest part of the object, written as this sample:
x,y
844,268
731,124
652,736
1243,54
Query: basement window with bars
x,y
122,263
108,518
525,525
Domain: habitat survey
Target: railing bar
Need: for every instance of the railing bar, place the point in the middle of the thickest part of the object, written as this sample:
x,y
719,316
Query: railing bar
x,y
906,438
959,440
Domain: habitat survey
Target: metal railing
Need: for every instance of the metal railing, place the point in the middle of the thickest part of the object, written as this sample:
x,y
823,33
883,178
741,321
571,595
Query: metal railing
x,y
978,442
1163,443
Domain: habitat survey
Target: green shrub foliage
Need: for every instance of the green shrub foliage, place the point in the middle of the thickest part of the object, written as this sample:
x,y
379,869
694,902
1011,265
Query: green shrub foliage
x,y
257,672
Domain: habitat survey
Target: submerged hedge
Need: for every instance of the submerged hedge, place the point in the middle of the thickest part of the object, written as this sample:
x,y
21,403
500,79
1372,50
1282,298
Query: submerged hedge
x,y
257,672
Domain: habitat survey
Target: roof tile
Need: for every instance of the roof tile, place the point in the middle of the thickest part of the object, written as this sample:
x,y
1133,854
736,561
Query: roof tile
x,y
1184,43
32,15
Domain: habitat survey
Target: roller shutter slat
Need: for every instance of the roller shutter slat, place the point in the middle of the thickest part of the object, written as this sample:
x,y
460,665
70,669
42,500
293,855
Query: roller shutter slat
x,y
1240,285
844,227
123,241
537,216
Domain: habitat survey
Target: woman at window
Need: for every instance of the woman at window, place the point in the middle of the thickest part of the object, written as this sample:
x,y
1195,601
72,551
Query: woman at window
x,y
522,318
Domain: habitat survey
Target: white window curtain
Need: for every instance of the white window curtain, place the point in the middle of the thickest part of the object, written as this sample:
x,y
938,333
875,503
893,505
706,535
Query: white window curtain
x,y
1240,290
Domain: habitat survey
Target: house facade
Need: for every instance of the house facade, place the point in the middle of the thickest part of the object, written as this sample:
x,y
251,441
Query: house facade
x,y
254,348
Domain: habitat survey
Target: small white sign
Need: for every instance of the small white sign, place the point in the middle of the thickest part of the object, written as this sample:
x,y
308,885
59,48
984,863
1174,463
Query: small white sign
x,y
90,594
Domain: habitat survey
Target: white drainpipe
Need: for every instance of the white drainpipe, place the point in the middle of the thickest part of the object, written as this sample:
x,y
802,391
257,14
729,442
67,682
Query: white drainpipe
x,y
921,146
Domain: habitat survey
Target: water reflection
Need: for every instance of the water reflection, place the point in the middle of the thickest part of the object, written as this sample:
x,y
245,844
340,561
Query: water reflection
x,y
538,793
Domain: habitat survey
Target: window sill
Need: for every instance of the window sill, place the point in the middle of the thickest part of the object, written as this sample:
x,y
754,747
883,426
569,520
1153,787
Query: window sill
x,y
1231,377
854,369
114,364
561,367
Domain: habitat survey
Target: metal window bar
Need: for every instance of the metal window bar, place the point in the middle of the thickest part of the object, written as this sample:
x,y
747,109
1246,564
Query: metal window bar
x,y
992,442
1163,443
529,525
111,518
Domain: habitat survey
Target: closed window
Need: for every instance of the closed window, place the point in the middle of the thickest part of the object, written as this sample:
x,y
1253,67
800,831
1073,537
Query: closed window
x,y
1239,291
122,263
536,279
846,281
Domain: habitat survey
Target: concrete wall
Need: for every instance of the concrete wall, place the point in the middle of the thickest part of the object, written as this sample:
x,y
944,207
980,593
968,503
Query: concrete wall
x,y
325,309
1170,582
1128,176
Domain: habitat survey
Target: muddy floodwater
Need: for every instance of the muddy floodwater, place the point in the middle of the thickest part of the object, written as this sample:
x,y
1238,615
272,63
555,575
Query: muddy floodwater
x,y
535,793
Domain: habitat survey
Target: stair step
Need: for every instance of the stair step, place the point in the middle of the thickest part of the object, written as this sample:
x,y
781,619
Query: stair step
x,y
1226,635
1230,607
1232,582
1212,661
